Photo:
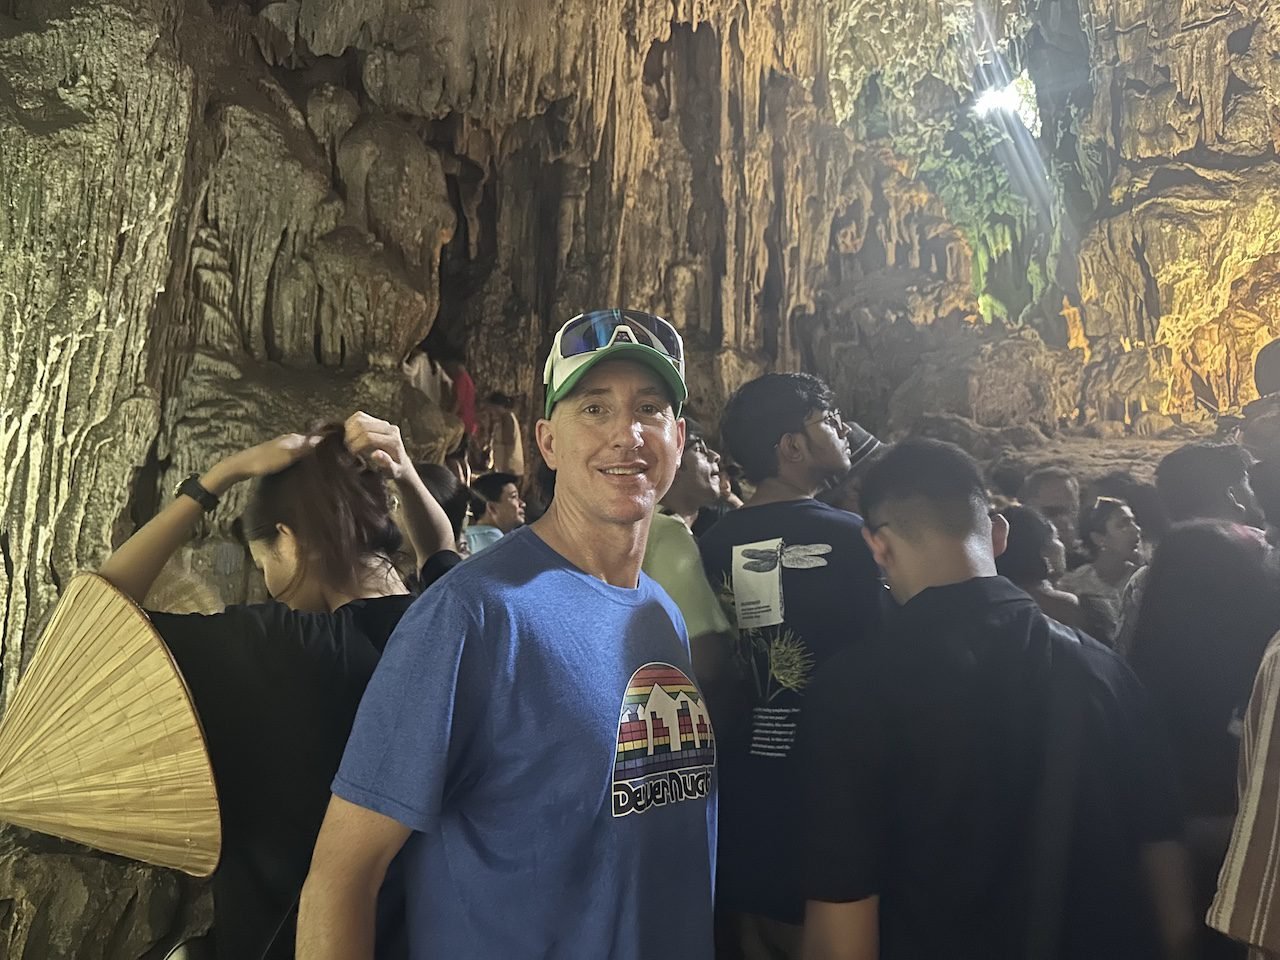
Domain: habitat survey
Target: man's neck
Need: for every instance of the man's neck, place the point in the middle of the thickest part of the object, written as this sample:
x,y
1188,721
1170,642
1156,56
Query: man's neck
x,y
782,488
687,513
611,552
1112,569
948,564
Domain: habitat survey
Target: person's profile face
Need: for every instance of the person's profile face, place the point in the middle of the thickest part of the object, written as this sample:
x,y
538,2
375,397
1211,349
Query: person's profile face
x,y
1123,536
508,511
1059,502
826,438
699,473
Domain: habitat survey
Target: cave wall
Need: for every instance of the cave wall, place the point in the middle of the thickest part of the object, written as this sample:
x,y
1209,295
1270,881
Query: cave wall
x,y
1176,147
223,220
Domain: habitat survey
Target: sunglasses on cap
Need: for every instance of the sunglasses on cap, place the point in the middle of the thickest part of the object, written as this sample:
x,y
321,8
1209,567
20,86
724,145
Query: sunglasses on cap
x,y
598,329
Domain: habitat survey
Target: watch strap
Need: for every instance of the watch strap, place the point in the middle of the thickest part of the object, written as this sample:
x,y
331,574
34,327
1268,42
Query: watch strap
x,y
193,488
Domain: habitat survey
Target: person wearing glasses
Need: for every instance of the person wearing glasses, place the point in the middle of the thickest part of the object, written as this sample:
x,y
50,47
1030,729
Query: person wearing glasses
x,y
803,587
533,746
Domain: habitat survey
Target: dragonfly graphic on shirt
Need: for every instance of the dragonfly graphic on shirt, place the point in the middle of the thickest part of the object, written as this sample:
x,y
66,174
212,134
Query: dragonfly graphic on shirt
x,y
777,659
805,556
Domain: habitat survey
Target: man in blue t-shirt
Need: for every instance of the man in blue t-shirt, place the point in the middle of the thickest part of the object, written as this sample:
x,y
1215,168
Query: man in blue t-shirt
x,y
532,744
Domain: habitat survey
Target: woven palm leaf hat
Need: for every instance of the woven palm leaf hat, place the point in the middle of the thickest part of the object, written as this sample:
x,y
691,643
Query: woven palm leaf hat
x,y
100,743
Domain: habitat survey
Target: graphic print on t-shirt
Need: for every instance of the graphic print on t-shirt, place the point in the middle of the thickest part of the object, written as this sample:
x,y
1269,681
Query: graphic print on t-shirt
x,y
666,747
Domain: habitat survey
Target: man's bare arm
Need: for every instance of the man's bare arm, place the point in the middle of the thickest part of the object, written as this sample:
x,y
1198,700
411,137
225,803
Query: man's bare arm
x,y
339,900
842,931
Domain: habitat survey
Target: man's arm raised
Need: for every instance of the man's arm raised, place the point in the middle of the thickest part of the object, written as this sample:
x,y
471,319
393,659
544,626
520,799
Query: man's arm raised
x,y
339,900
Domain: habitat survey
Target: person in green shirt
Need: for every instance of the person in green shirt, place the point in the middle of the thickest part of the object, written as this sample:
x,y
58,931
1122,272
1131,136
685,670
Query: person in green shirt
x,y
672,558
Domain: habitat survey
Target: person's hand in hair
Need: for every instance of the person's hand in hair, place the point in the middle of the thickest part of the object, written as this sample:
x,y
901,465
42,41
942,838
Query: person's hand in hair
x,y
133,568
379,445
261,460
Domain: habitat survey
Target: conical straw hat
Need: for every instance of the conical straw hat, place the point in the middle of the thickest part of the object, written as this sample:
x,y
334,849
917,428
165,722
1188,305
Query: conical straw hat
x,y
100,743
175,591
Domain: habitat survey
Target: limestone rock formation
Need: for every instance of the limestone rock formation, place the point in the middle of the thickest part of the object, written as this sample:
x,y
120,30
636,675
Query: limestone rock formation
x,y
1174,133
59,901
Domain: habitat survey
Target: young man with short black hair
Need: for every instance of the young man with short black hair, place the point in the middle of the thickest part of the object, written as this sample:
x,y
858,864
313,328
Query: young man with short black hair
x,y
501,510
804,587
937,828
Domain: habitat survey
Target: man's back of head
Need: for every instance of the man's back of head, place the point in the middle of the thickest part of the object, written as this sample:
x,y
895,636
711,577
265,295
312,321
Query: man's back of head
x,y
1208,481
925,505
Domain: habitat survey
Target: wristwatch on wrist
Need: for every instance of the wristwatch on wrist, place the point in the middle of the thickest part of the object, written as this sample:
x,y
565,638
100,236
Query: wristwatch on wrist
x,y
196,491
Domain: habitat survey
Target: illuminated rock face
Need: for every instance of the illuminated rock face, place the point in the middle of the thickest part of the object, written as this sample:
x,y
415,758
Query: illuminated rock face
x,y
240,217
1178,148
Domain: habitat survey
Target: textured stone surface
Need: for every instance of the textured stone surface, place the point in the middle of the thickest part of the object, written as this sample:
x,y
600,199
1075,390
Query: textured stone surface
x,y
59,901
1175,142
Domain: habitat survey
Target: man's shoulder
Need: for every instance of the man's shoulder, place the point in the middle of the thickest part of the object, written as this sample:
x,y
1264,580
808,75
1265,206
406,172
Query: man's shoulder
x,y
793,521
1096,666
669,525
509,563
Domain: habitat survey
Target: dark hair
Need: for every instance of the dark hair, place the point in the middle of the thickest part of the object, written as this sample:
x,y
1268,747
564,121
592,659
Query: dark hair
x,y
1008,478
1096,518
452,496
693,430
339,512
489,487
764,410
1031,486
1030,534
1193,480
946,480
1266,369
1209,608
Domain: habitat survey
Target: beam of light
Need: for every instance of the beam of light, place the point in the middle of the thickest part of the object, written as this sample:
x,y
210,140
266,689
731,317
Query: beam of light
x,y
1015,98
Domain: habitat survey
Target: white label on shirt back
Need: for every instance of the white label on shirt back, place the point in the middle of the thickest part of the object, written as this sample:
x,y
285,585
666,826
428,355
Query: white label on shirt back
x,y
757,584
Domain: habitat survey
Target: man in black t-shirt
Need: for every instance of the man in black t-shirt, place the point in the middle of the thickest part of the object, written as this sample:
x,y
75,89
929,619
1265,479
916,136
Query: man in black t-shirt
x,y
803,587
984,784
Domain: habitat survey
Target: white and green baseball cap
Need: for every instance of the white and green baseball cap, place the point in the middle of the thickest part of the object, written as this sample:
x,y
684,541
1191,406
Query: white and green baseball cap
x,y
612,335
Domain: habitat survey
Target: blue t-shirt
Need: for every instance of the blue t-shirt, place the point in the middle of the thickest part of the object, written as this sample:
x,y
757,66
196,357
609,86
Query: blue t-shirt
x,y
539,731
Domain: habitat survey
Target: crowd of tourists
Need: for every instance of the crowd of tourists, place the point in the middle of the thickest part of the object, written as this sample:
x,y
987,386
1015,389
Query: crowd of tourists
x,y
767,689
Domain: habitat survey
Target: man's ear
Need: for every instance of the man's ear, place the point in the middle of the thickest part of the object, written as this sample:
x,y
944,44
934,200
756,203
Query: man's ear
x,y
791,449
544,432
999,535
878,543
